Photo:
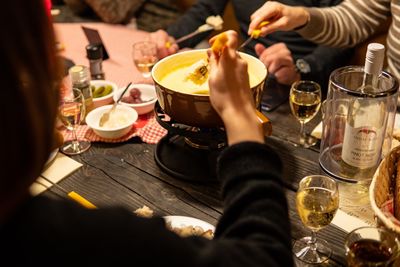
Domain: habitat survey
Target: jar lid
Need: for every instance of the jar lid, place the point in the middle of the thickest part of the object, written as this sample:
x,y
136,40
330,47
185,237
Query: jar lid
x,y
78,73
94,51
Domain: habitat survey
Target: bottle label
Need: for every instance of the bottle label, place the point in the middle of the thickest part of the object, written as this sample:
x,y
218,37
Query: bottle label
x,y
362,146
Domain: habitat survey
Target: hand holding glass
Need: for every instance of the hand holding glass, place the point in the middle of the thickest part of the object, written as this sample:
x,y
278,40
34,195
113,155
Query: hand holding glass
x,y
317,201
305,101
144,56
71,112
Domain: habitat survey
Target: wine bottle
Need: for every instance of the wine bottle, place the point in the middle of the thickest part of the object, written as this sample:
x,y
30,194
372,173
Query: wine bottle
x,y
373,67
366,118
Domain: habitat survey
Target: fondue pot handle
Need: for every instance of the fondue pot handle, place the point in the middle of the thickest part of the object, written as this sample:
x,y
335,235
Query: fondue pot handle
x,y
266,123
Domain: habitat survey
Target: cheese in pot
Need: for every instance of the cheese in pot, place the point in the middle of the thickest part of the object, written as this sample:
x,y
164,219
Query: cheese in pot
x,y
179,80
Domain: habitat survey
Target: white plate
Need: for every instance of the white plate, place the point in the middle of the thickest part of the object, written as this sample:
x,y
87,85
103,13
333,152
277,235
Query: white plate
x,y
182,221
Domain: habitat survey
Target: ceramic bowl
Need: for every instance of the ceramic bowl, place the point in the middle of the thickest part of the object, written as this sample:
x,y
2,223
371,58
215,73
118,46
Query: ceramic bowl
x,y
147,94
125,116
103,100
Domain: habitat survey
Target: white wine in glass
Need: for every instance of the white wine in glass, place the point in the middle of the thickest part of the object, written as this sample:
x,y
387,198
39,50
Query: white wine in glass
x,y
305,101
317,201
144,56
71,113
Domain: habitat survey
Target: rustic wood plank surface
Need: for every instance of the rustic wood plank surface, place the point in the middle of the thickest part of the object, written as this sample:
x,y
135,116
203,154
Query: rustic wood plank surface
x,y
126,174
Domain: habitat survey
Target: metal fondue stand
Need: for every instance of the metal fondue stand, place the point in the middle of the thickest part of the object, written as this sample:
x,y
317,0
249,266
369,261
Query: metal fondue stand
x,y
186,152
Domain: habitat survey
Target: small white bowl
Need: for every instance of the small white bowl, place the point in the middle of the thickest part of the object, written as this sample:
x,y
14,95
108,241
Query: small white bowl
x,y
93,119
107,99
148,94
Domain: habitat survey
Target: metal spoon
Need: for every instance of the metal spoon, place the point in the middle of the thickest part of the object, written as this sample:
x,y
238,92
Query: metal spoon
x,y
106,115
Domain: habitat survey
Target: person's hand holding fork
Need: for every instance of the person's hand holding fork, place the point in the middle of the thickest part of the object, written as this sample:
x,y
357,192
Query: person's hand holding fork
x,y
161,38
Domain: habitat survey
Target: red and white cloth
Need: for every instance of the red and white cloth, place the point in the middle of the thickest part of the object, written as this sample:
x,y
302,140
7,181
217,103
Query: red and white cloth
x,y
146,127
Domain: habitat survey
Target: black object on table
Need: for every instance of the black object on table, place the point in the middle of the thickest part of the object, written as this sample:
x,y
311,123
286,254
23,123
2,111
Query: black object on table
x,y
274,94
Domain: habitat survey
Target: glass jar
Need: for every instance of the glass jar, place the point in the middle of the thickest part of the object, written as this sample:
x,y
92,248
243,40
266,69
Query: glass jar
x,y
80,79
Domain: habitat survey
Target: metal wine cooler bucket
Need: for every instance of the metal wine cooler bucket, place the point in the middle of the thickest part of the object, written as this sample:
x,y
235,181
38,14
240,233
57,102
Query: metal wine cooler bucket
x,y
357,124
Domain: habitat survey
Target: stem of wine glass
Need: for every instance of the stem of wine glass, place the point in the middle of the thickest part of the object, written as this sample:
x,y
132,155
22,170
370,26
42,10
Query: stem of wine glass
x,y
313,241
302,133
75,142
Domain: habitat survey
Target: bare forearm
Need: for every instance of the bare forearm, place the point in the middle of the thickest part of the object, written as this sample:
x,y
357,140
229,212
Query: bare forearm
x,y
242,125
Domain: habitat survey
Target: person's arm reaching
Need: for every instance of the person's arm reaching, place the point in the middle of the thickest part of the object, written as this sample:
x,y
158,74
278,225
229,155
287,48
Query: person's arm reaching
x,y
188,23
231,98
280,17
250,171
195,17
343,25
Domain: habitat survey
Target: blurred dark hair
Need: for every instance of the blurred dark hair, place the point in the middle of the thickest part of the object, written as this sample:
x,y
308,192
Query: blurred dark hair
x,y
28,92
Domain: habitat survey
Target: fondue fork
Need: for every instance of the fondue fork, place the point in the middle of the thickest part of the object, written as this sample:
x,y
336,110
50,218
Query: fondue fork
x,y
202,28
203,70
254,34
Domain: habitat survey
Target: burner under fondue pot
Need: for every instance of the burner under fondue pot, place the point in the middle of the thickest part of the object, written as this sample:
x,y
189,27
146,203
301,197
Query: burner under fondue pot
x,y
189,153
181,160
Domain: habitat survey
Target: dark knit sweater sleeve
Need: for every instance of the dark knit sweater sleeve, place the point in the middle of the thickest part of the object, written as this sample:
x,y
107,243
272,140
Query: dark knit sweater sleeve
x,y
255,204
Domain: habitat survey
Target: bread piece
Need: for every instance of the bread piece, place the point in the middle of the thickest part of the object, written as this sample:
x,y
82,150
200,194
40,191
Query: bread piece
x,y
144,211
219,43
198,72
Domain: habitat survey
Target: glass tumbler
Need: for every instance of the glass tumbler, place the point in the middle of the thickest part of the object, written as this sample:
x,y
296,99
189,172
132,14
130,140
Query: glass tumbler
x,y
371,247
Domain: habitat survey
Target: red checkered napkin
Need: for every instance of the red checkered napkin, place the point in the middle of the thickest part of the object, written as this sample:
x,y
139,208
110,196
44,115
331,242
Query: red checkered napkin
x,y
146,127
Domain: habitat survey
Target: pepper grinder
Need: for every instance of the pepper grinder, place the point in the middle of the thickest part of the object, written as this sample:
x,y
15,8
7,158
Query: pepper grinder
x,y
94,53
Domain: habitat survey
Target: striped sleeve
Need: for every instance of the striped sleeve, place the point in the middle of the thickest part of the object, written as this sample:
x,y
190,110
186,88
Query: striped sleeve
x,y
347,24
393,40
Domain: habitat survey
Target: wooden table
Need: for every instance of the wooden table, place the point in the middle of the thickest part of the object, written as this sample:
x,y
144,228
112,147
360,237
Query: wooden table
x,y
126,174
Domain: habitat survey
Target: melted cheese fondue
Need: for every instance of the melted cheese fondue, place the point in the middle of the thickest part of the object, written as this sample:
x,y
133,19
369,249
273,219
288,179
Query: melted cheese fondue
x,y
178,80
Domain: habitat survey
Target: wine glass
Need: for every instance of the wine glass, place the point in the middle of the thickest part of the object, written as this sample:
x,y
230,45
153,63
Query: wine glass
x,y
305,101
72,112
317,201
144,56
